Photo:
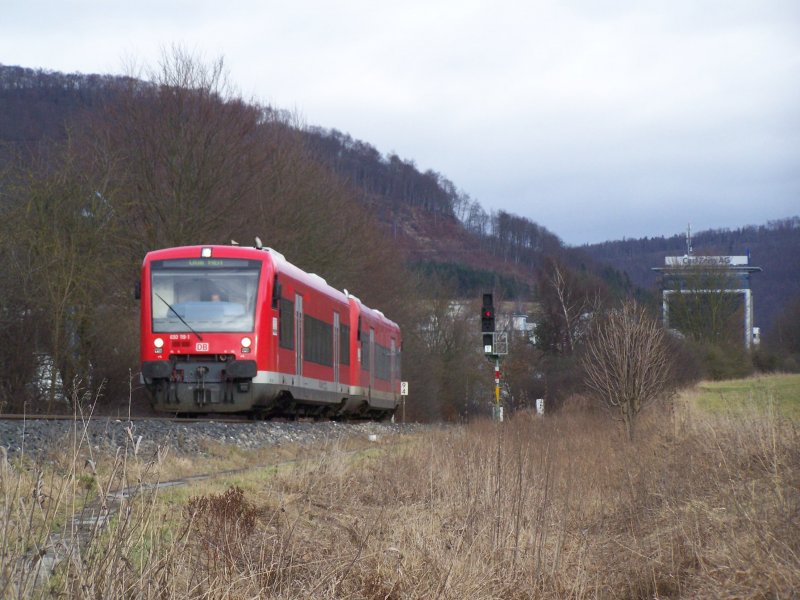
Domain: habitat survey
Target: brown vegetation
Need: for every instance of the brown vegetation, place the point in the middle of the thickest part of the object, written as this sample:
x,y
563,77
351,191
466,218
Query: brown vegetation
x,y
553,508
177,160
627,363
99,170
703,506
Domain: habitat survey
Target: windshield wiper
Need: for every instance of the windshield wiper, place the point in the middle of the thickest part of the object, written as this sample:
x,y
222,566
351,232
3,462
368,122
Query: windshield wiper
x,y
175,312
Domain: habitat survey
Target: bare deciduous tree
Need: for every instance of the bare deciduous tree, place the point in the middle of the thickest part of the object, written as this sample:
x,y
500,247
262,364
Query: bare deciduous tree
x,y
568,304
183,153
441,359
627,364
55,236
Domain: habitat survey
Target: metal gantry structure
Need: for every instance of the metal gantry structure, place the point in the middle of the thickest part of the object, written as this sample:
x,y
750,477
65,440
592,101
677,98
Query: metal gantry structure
x,y
733,277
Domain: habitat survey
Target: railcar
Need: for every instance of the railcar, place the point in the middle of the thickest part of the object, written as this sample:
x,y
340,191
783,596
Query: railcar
x,y
229,329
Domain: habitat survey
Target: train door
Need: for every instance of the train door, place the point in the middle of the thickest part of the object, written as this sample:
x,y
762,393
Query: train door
x,y
298,334
336,348
371,358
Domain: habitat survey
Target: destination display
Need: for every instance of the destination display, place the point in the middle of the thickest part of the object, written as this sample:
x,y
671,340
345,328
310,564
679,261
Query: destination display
x,y
205,263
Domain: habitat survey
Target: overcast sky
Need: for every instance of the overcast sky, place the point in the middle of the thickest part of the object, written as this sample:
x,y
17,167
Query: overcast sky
x,y
598,119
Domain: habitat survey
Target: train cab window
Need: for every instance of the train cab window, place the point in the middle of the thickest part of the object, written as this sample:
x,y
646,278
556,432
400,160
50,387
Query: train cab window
x,y
286,328
205,295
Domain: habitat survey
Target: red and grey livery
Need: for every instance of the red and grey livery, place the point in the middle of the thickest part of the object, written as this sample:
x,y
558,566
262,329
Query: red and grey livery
x,y
228,329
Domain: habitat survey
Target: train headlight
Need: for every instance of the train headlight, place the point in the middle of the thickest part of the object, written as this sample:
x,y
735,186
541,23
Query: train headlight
x,y
158,343
246,342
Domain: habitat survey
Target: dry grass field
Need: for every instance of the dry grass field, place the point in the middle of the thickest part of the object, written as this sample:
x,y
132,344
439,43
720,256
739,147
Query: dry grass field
x,y
704,505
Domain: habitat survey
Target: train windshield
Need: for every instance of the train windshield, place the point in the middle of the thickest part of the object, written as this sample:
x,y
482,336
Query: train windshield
x,y
205,294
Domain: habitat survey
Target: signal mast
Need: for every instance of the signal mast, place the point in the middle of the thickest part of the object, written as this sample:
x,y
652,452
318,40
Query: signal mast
x,y
495,345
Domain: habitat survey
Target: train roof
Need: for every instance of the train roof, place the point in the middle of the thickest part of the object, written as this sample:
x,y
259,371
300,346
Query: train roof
x,y
373,313
278,260
217,251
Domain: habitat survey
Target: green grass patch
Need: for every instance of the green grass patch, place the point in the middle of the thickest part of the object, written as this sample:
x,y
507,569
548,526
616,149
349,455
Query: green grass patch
x,y
771,392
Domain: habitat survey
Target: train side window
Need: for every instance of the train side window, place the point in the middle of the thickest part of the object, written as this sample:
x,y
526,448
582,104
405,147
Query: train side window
x,y
344,345
383,362
398,363
286,329
365,351
276,292
317,341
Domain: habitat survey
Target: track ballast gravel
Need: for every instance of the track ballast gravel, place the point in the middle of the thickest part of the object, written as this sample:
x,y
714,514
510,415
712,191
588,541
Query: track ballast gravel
x,y
36,438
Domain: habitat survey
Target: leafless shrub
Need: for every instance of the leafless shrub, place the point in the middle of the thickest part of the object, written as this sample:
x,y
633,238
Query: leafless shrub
x,y
627,363
221,528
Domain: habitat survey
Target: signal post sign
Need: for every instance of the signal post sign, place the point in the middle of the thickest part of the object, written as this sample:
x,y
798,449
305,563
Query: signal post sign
x,y
403,394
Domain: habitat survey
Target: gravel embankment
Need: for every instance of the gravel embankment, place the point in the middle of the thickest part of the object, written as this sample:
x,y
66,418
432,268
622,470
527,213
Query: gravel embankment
x,y
37,438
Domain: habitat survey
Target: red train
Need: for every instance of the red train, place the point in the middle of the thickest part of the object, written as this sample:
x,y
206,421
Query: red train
x,y
228,329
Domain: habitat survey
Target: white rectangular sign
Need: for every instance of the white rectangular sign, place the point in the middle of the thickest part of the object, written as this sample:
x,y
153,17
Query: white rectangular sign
x,y
404,388
711,261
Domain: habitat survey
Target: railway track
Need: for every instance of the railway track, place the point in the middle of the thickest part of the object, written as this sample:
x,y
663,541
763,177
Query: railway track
x,y
176,419
37,436
189,418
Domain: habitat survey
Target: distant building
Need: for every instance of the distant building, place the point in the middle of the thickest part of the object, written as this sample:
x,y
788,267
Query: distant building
x,y
709,277
518,319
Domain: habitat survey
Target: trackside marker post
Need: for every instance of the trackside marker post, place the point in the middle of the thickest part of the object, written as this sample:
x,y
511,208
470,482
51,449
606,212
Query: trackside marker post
x,y
403,394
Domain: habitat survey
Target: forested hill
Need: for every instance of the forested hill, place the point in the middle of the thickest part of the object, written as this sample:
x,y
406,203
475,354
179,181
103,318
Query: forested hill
x,y
95,171
438,227
443,229
35,104
775,247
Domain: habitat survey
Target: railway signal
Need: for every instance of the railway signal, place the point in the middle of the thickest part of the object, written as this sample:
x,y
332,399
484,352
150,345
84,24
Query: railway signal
x,y
491,349
488,324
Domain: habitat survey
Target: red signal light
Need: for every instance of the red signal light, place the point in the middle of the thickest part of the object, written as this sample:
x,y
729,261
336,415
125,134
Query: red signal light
x,y
487,318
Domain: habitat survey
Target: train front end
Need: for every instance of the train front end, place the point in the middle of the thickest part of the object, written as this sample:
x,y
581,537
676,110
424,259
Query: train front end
x,y
200,322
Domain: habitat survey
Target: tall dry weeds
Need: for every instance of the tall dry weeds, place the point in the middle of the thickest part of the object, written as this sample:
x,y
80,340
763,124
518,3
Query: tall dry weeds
x,y
75,524
550,508
561,507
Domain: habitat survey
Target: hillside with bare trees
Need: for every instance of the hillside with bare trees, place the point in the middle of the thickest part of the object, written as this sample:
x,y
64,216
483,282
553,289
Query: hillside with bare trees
x,y
438,227
97,170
